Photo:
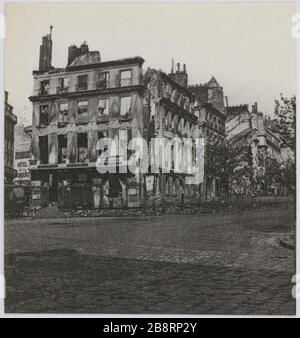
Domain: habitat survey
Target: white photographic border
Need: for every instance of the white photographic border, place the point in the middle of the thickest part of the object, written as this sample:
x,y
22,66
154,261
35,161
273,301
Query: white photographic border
x,y
2,74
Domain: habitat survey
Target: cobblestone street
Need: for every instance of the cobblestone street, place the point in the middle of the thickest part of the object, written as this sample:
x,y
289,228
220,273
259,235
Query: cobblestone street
x,y
224,263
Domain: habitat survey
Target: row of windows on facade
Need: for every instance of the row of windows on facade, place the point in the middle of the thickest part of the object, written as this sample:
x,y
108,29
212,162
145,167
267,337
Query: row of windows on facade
x,y
103,110
102,82
81,147
177,125
215,122
184,127
180,100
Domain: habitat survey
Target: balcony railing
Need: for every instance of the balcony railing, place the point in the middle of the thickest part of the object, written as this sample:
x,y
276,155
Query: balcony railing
x,y
61,90
103,84
125,82
126,117
81,86
43,91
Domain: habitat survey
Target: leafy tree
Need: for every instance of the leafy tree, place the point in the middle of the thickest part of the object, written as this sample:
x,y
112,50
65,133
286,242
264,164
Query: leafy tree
x,y
228,161
285,119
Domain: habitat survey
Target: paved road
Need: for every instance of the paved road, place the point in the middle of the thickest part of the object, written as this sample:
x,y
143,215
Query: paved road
x,y
217,264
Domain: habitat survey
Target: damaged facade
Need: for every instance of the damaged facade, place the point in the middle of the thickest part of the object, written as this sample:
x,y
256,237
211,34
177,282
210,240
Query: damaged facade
x,y
212,116
170,110
73,108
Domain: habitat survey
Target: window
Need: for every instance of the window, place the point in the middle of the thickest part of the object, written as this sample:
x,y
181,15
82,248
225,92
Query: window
x,y
125,78
82,112
125,105
101,135
103,79
63,85
43,147
82,147
44,87
82,82
103,107
63,114
215,123
44,115
62,148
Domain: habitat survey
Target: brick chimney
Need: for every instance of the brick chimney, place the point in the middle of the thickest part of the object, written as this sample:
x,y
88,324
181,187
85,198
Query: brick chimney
x,y
74,52
180,76
46,52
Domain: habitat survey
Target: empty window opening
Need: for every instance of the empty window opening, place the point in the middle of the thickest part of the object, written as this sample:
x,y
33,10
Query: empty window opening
x,y
125,105
103,79
44,87
103,105
82,82
62,148
44,115
82,143
63,114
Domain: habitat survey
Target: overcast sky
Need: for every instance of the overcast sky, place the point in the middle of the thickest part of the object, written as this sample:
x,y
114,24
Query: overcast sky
x,y
247,47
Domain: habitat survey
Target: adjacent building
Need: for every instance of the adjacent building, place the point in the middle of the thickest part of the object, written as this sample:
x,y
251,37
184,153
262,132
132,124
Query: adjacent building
x,y
211,114
23,139
260,170
169,108
10,122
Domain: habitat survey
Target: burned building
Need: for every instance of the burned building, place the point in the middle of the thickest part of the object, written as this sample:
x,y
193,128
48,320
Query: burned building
x,y
170,110
210,104
211,114
74,107
10,122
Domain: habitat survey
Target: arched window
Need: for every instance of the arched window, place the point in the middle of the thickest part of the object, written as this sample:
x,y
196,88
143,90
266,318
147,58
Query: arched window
x,y
169,120
187,129
187,104
181,126
168,91
175,123
174,96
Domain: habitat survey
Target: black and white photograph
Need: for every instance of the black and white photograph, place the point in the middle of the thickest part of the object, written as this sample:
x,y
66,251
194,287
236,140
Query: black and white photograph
x,y
149,159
